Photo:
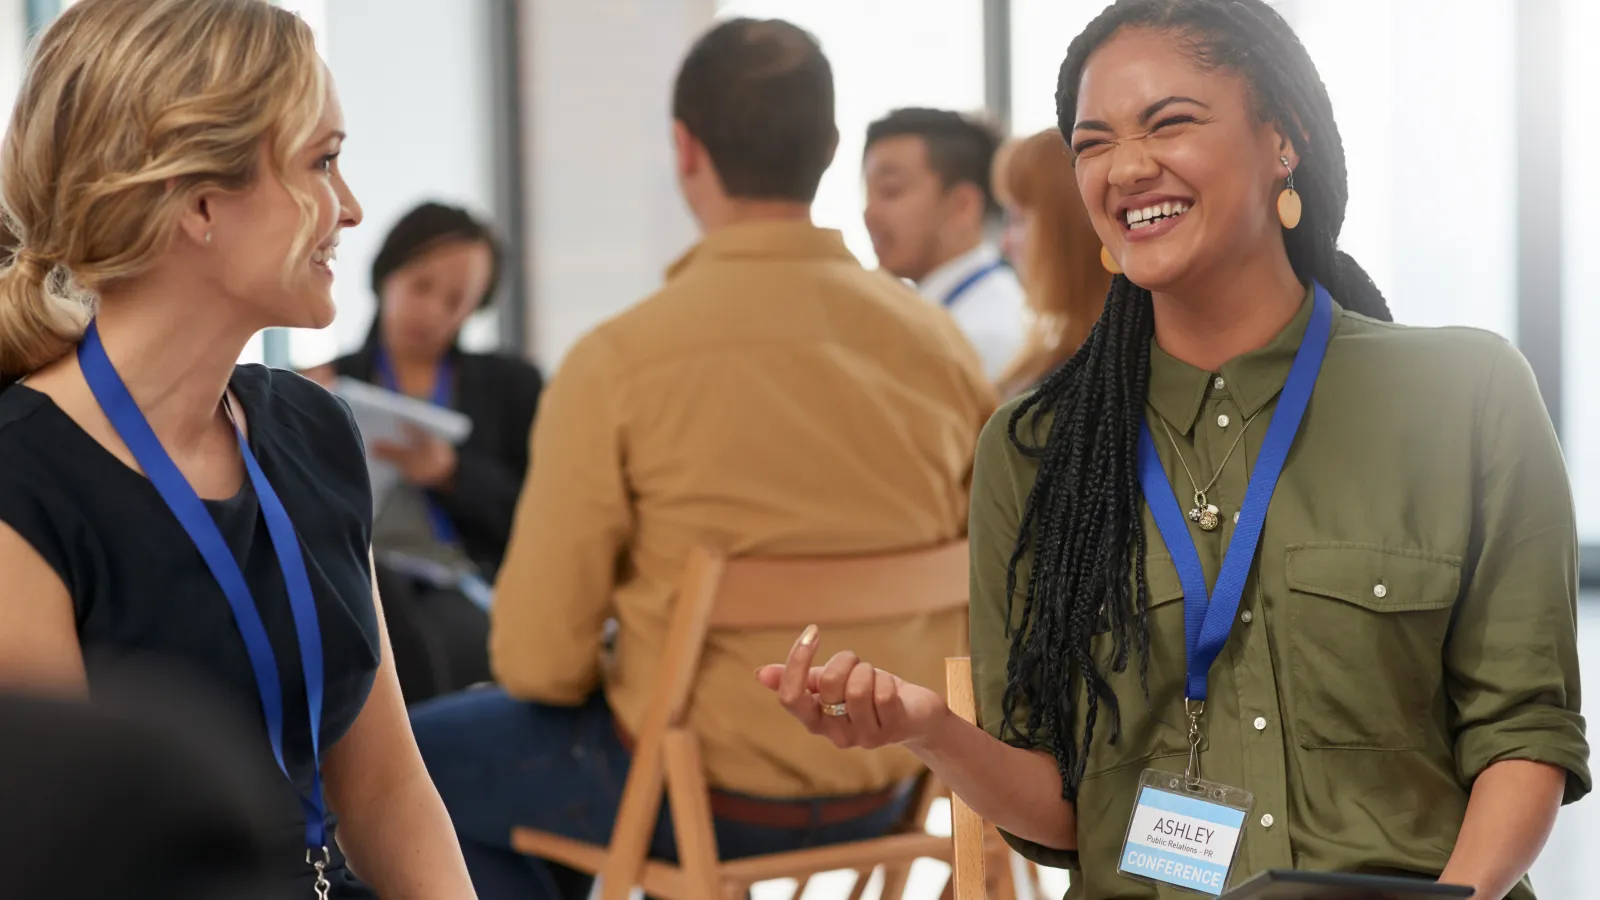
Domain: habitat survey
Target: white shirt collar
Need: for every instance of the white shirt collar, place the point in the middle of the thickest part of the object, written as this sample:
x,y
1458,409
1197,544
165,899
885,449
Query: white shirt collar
x,y
941,281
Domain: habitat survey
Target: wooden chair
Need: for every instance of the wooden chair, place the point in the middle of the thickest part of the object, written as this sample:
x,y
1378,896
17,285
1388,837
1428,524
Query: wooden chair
x,y
981,862
753,594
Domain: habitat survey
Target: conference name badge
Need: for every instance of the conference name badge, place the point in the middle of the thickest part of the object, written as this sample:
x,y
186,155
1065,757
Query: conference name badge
x,y
1184,832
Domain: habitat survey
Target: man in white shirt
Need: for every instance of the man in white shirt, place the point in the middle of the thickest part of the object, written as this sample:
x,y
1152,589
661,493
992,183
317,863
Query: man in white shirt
x,y
929,204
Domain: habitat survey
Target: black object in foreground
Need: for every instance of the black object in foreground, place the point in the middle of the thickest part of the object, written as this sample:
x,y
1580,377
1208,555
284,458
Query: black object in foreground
x,y
1284,885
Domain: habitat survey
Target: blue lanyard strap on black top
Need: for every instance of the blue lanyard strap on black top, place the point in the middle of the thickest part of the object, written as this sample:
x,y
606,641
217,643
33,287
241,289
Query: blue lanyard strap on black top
x,y
444,387
1208,615
970,281
191,513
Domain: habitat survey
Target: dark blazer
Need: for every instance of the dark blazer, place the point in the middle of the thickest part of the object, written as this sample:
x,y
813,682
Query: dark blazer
x,y
500,394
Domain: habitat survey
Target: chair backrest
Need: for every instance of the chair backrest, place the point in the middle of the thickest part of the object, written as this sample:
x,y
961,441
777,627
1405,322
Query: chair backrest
x,y
966,826
756,593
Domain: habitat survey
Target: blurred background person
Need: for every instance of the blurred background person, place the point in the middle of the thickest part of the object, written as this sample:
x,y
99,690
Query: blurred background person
x,y
773,398
1052,244
929,207
440,533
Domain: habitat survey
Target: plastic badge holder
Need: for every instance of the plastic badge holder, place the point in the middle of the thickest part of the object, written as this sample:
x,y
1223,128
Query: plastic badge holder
x,y
1184,833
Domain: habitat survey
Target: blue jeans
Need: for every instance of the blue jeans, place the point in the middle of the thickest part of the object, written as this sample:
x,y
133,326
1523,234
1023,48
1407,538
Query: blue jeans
x,y
500,763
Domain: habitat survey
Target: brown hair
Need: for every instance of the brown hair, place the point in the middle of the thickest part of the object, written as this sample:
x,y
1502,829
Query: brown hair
x,y
127,111
1065,283
759,95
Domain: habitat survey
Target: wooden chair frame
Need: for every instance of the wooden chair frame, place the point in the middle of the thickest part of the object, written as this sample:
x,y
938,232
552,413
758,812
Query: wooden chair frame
x,y
981,864
754,594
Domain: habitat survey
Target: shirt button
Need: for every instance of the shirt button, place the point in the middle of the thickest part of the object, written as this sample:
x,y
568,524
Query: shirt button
x,y
1220,383
1247,617
1380,591
1222,420
1267,820
1236,515
1261,724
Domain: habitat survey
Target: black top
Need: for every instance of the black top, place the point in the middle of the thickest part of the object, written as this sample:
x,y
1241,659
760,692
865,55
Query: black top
x,y
143,593
500,394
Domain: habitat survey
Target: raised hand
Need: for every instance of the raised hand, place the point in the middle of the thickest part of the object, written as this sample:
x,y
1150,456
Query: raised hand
x,y
849,701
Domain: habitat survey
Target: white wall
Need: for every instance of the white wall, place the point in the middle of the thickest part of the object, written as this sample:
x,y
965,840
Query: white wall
x,y
604,217
13,49
415,80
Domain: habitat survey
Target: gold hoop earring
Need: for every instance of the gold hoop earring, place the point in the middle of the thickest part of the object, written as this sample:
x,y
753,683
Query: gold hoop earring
x,y
1289,206
1109,262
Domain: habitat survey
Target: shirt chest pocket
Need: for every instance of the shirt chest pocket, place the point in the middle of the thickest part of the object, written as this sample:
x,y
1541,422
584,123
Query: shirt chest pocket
x,y
1155,728
1368,626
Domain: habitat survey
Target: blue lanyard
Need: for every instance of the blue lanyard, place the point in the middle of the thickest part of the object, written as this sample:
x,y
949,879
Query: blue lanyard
x,y
190,511
1208,616
444,381
970,281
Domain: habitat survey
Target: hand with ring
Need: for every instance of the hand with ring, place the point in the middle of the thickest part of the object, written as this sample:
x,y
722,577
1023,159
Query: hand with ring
x,y
849,701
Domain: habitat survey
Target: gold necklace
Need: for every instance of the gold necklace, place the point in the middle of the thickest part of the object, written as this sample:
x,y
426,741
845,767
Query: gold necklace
x,y
1204,513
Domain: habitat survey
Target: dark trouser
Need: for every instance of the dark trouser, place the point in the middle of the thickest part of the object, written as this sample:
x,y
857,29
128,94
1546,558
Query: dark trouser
x,y
440,638
499,762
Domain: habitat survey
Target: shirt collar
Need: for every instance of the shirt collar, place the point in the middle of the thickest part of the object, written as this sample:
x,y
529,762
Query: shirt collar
x,y
771,239
941,281
1177,389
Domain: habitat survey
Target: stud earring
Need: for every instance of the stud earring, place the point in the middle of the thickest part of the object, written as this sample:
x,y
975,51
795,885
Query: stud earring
x,y
1110,262
1289,207
208,237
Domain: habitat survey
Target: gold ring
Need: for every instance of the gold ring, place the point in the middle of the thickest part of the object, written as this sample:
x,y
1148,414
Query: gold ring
x,y
836,710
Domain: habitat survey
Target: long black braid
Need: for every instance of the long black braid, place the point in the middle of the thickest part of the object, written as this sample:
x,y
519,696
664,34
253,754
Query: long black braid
x,y
1082,521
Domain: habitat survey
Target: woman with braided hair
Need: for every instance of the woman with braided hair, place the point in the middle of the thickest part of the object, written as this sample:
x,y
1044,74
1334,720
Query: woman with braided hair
x,y
1259,579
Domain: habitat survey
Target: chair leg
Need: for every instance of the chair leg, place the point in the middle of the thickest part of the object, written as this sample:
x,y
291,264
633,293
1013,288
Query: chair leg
x,y
636,822
894,882
691,817
1035,880
862,877
1000,881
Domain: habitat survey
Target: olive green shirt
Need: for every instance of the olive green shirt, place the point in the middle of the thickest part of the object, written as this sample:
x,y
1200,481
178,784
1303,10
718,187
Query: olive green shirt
x,y
1409,619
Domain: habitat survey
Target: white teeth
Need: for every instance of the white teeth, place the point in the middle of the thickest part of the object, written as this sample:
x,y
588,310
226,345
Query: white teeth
x,y
323,257
1141,217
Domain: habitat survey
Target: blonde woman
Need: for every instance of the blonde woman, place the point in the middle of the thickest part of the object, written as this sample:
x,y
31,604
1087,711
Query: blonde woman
x,y
1051,241
171,176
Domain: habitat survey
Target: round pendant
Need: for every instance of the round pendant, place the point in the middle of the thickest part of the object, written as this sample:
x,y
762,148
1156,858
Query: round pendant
x,y
1209,520
1195,513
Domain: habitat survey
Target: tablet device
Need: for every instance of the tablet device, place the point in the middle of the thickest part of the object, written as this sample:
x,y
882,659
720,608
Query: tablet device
x,y
383,415
1284,885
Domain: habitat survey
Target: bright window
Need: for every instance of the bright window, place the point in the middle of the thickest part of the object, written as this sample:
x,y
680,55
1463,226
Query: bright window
x,y
885,54
1040,33
1581,311
1425,103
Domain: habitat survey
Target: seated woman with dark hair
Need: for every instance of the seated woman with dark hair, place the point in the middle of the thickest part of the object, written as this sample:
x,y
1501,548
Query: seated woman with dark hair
x,y
441,532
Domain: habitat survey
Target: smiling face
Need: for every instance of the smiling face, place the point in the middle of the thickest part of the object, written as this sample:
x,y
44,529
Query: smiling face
x,y
1178,171
261,257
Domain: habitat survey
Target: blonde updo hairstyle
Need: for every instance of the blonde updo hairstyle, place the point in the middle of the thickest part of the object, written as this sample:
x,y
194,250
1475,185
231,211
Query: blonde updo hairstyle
x,y
130,109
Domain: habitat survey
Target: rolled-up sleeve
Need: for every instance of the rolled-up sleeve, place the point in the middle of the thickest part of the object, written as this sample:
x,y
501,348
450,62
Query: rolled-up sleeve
x,y
1512,657
999,490
554,591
